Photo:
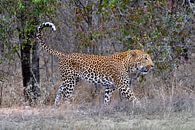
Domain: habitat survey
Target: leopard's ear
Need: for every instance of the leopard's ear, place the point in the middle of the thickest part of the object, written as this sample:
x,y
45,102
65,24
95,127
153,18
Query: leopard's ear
x,y
133,54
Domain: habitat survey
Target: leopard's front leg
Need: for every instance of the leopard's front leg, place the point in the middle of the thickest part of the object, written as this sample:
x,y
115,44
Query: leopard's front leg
x,y
127,93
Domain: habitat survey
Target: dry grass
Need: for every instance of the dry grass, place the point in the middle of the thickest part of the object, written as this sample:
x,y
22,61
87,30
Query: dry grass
x,y
68,118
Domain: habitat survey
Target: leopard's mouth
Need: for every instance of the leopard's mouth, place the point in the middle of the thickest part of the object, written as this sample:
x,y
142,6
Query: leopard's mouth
x,y
144,70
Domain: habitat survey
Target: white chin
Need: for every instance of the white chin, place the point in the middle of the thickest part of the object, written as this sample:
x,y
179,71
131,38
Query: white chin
x,y
144,73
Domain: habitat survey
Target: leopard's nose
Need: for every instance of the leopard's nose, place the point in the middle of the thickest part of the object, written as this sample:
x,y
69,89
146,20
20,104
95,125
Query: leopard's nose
x,y
150,67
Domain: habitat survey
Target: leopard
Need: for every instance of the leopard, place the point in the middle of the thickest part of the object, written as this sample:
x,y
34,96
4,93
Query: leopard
x,y
111,71
133,74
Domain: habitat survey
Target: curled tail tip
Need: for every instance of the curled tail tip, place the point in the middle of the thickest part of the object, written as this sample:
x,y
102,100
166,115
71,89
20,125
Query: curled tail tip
x,y
47,24
51,25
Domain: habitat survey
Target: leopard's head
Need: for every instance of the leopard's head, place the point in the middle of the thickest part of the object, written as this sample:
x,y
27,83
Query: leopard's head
x,y
139,61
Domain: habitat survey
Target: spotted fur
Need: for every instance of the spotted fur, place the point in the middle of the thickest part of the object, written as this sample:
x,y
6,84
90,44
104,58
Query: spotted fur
x,y
110,71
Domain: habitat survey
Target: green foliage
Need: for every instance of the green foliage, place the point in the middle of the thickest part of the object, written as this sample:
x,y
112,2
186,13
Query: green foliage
x,y
21,5
23,16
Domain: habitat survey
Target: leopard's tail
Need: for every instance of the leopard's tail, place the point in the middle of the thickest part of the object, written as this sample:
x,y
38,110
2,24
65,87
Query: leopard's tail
x,y
42,42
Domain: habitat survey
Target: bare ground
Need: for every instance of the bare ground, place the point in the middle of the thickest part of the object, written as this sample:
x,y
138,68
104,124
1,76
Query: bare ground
x,y
63,118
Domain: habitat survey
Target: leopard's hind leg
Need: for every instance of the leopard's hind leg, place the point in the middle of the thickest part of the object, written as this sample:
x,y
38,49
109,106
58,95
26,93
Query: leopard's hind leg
x,y
66,89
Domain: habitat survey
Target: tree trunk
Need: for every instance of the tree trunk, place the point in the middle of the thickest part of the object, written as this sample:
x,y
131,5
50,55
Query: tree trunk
x,y
30,72
35,71
1,49
25,62
35,62
1,93
30,69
